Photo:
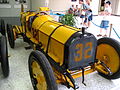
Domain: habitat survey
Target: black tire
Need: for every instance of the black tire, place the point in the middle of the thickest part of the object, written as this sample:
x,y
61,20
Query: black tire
x,y
10,35
40,59
116,47
2,27
4,56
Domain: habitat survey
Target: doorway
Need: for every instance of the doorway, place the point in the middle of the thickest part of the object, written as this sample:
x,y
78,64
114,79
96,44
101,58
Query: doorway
x,y
101,5
114,5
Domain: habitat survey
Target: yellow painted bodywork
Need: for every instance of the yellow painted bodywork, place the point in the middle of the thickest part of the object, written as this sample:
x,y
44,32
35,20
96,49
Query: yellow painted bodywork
x,y
44,9
44,25
41,29
18,29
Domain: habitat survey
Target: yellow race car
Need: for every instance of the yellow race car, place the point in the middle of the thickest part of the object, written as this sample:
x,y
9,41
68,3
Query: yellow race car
x,y
63,53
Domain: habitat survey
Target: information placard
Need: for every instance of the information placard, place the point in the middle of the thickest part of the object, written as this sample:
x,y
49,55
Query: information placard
x,y
5,6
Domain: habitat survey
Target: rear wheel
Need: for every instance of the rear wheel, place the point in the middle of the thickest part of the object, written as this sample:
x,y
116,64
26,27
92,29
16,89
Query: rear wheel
x,y
10,34
41,73
2,27
108,52
4,56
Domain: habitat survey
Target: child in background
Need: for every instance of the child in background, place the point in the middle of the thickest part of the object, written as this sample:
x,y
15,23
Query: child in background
x,y
71,10
105,22
77,11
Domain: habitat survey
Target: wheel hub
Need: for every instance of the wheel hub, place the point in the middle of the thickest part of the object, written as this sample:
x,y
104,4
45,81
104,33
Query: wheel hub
x,y
106,59
38,79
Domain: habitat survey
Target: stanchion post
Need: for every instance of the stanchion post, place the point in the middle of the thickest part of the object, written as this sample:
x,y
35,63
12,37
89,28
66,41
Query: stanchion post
x,y
110,29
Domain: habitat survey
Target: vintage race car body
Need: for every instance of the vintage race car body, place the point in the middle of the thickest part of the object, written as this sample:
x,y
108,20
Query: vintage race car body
x,y
71,52
52,35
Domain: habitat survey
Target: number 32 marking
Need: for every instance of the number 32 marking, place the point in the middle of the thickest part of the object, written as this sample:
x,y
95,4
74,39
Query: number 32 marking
x,y
80,51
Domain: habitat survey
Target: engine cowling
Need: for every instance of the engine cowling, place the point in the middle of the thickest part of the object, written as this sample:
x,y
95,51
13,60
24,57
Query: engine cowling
x,y
80,51
64,44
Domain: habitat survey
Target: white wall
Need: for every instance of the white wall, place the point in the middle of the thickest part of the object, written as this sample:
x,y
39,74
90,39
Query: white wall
x,y
114,4
115,7
95,6
118,10
35,4
12,12
55,5
61,5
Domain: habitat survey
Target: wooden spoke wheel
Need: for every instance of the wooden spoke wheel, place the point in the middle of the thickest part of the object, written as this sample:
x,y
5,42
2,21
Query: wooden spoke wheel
x,y
108,52
10,34
4,56
41,73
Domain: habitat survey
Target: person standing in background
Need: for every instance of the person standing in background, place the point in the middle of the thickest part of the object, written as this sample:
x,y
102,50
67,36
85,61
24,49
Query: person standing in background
x,y
82,12
88,12
108,9
73,7
105,21
71,10
77,11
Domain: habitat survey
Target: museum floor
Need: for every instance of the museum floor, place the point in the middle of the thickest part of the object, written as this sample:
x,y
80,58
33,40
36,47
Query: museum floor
x,y
19,75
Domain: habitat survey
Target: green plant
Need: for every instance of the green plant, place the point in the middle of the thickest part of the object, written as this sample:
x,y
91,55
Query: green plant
x,y
67,19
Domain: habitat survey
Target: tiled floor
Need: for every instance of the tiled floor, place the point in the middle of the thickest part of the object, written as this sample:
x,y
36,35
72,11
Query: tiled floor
x,y
19,75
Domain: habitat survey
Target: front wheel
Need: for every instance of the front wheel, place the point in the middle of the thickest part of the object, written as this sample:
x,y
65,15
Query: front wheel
x,y
108,52
41,73
4,56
